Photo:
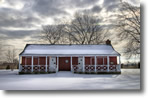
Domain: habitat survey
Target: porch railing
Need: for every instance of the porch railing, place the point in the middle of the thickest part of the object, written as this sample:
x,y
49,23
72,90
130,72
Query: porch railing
x,y
37,68
77,68
97,68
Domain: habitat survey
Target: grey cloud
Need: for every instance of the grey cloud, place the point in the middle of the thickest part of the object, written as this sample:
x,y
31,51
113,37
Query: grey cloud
x,y
96,9
18,34
57,7
48,7
109,2
111,5
82,3
45,8
14,2
27,16
13,18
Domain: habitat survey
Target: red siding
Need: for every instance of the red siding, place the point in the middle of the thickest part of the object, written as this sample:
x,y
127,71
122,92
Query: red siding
x,y
23,60
48,60
100,60
74,60
93,60
113,60
28,60
89,61
42,61
35,60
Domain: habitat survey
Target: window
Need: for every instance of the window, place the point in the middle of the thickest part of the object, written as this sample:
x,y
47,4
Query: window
x,y
66,61
113,60
111,63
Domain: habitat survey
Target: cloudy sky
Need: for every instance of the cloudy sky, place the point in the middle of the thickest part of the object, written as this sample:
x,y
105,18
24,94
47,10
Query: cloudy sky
x,y
21,20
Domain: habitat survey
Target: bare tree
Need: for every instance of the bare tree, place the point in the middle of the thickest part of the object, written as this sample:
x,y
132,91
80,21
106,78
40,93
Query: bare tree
x,y
52,33
128,27
85,29
10,55
0,51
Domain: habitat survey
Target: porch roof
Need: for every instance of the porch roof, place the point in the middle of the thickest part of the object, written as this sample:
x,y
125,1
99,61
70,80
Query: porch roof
x,y
47,49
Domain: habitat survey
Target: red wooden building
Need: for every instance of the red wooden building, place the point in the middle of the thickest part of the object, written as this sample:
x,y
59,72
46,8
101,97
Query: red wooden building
x,y
74,58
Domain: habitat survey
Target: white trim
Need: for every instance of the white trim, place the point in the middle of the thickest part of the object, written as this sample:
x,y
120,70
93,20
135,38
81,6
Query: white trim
x,y
83,64
39,68
119,63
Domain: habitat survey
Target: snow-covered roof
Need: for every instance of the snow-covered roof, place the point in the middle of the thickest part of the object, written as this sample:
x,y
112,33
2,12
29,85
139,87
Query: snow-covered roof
x,y
47,49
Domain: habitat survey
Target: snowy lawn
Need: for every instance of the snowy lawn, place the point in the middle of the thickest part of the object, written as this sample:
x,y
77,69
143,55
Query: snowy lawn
x,y
129,79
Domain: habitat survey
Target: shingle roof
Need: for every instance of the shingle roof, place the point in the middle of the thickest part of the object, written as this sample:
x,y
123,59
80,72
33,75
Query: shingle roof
x,y
47,49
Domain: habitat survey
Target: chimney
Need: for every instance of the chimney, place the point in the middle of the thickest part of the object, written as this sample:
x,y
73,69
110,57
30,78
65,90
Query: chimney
x,y
108,42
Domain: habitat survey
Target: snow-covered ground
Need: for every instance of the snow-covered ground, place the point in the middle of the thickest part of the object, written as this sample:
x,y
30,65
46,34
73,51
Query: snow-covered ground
x,y
10,80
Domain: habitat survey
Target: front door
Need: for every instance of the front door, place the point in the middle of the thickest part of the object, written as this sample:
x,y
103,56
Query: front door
x,y
64,64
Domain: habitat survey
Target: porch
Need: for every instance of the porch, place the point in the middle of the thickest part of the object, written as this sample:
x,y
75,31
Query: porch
x,y
76,64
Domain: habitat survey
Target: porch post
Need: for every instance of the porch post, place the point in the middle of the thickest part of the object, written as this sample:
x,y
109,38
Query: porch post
x,y
57,63
119,63
71,64
108,63
46,63
19,63
95,64
83,64
32,63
